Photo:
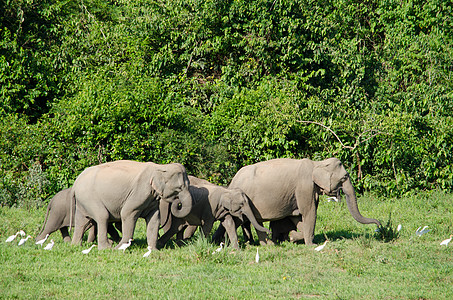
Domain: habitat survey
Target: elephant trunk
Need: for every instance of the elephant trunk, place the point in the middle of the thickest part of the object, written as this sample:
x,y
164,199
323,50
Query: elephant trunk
x,y
351,200
182,206
247,211
41,234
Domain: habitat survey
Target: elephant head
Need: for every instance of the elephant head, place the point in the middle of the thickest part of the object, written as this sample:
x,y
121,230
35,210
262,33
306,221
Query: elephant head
x,y
237,204
330,176
172,185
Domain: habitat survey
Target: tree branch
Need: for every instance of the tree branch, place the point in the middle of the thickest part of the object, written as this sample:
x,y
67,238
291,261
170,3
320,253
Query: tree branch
x,y
331,131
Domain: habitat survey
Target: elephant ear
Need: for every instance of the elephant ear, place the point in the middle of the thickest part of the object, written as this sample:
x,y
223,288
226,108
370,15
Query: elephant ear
x,y
164,209
224,208
157,182
322,175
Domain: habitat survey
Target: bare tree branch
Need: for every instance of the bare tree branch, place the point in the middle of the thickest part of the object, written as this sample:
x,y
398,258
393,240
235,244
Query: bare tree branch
x,y
328,128
358,140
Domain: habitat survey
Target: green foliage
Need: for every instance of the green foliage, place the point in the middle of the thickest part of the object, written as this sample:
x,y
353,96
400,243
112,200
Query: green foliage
x,y
23,151
29,62
217,85
256,124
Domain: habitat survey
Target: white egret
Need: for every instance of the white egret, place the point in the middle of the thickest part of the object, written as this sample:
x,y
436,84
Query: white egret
x,y
319,248
12,237
147,253
218,249
422,231
40,242
399,227
257,256
86,251
125,245
445,242
49,246
22,241
21,232
332,199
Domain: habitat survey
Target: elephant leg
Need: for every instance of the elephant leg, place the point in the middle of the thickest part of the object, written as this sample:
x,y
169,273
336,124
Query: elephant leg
x,y
307,203
113,233
308,225
262,237
152,228
65,234
190,231
165,237
92,233
219,234
81,223
175,227
297,235
180,236
280,230
230,228
103,241
99,216
247,232
129,221
207,227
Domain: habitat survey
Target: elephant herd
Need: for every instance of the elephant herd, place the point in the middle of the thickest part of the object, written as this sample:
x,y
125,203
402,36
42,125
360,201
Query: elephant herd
x,y
112,196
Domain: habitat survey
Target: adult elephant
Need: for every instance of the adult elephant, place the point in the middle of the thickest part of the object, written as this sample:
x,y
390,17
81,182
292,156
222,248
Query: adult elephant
x,y
59,215
281,188
210,203
125,191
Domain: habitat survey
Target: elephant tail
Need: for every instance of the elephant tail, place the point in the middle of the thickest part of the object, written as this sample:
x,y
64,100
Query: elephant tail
x,y
47,216
72,209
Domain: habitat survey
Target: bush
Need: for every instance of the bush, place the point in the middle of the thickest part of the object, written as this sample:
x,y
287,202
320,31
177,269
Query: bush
x,y
217,85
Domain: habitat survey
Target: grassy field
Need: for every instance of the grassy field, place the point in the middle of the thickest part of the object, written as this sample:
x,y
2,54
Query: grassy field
x,y
355,264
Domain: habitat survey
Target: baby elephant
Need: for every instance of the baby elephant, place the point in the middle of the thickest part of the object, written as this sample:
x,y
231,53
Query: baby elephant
x,y
286,229
210,203
58,217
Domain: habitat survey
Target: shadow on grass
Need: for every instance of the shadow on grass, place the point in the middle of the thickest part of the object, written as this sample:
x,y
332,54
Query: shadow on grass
x,y
318,239
340,235
336,235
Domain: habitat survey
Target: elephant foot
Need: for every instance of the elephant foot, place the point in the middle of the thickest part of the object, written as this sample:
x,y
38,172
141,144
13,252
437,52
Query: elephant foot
x,y
67,239
295,236
235,245
267,242
107,245
151,248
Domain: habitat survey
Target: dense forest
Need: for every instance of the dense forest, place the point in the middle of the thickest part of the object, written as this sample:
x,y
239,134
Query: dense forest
x,y
219,84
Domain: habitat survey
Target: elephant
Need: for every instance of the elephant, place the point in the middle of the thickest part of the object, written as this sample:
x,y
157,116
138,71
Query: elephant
x,y
281,229
210,203
124,191
281,188
58,217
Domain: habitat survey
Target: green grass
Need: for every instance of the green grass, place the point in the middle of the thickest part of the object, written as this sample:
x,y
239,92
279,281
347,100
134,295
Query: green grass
x,y
355,264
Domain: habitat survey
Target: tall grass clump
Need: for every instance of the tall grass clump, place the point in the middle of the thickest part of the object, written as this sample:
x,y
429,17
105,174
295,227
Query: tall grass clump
x,y
387,232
